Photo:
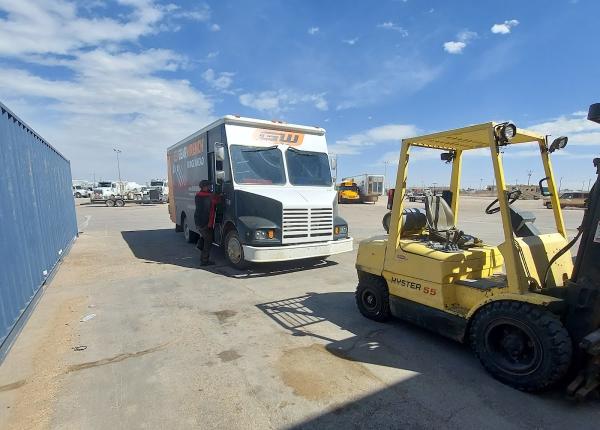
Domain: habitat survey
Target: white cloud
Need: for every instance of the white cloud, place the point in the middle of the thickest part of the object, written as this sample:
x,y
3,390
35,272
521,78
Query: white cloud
x,y
54,26
111,95
457,46
213,54
505,27
215,27
282,100
313,30
220,81
576,126
350,41
200,14
356,143
388,25
393,76
454,47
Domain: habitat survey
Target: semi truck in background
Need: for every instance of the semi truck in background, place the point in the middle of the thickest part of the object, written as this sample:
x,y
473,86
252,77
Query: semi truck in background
x,y
370,186
278,199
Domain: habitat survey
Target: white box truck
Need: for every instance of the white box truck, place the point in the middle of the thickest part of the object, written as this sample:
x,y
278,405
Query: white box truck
x,y
278,198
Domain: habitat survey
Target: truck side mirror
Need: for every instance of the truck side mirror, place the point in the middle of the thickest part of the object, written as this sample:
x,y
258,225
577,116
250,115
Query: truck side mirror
x,y
220,176
219,152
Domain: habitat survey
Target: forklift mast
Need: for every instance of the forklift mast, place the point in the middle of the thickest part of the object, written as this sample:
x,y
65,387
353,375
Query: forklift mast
x,y
583,315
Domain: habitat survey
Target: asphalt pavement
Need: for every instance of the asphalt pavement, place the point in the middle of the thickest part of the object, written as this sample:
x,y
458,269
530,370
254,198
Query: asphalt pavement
x,y
133,333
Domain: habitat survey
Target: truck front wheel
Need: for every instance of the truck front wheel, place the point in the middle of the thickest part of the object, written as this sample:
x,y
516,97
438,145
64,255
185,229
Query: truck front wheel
x,y
234,251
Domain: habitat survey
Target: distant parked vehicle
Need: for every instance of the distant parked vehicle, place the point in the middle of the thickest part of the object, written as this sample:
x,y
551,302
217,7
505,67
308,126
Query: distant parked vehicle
x,y
80,191
370,187
571,199
348,192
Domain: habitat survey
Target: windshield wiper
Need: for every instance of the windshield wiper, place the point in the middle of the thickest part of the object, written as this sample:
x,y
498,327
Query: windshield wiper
x,y
268,148
305,153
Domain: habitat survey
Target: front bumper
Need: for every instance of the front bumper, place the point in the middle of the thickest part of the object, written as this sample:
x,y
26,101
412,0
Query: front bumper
x,y
296,252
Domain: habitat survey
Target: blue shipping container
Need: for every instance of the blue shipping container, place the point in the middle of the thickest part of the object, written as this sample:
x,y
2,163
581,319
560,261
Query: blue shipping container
x,y
37,217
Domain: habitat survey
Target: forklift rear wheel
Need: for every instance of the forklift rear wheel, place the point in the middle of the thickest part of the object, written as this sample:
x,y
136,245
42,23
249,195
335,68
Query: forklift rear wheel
x,y
190,236
372,297
521,345
234,252
110,203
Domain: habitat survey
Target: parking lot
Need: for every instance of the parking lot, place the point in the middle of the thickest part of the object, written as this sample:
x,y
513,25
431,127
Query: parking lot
x,y
133,333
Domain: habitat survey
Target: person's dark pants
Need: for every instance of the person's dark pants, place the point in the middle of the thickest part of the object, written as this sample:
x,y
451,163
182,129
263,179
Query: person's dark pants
x,y
205,242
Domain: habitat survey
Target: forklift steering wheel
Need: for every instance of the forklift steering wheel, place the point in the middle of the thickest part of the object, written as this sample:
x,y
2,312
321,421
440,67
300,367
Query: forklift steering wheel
x,y
511,196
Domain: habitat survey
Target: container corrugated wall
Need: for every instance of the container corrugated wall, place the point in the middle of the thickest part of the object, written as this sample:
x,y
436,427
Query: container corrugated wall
x,y
37,216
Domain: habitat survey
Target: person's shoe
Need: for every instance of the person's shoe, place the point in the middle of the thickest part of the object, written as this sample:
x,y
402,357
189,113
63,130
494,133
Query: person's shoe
x,y
207,263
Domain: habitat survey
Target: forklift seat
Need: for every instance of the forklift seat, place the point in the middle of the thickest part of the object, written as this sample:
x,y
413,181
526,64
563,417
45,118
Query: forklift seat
x,y
439,214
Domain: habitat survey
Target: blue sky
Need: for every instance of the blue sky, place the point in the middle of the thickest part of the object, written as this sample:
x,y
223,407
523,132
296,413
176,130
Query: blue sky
x,y
140,75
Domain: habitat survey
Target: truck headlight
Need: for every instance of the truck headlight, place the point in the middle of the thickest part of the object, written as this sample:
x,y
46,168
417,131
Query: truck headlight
x,y
340,230
264,234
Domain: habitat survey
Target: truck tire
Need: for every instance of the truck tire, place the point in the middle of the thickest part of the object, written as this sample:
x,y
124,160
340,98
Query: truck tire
x,y
190,236
387,218
521,345
110,203
373,297
234,251
119,203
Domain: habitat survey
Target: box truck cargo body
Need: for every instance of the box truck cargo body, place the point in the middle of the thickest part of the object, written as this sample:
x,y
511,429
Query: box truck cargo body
x,y
278,200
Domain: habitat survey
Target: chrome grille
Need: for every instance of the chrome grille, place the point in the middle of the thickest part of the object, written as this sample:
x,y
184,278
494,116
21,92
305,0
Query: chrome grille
x,y
307,225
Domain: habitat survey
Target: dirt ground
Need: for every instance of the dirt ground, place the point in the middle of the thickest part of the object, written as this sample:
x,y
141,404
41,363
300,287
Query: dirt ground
x,y
132,333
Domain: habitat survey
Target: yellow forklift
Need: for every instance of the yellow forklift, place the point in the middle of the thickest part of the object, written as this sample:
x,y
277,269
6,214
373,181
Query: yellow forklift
x,y
531,319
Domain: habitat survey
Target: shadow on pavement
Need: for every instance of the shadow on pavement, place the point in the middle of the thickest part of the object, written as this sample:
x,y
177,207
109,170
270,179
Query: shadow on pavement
x,y
439,370
165,246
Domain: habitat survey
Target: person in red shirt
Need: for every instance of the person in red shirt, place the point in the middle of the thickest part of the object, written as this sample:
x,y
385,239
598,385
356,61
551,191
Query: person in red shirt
x,y
204,216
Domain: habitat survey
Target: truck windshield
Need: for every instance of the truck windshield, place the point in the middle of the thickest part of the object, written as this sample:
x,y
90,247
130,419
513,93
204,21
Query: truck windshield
x,y
104,184
156,183
308,168
257,165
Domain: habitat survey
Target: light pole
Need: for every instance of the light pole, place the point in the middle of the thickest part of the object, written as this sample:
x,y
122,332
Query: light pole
x,y
481,184
434,184
385,175
529,173
560,184
118,151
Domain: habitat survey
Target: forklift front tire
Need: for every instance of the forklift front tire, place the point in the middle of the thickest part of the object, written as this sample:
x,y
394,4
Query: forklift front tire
x,y
521,345
372,297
